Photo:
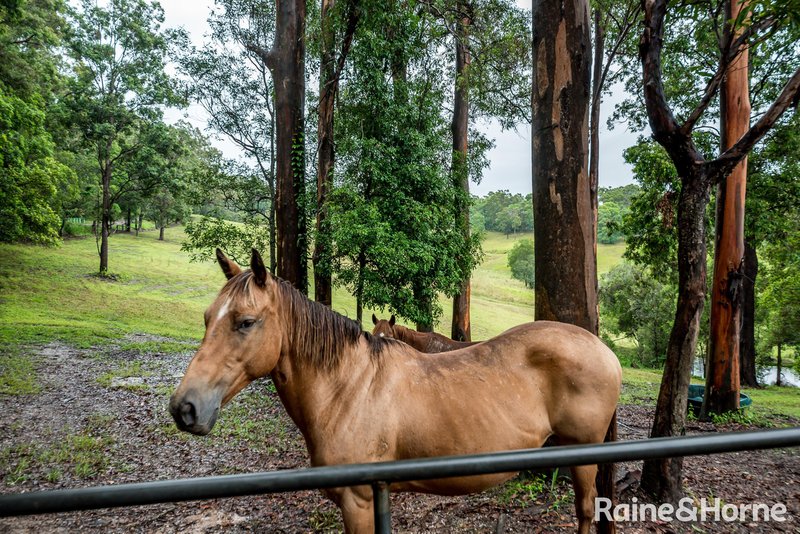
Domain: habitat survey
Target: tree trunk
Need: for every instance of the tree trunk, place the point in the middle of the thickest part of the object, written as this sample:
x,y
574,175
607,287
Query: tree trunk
x,y
424,300
747,343
594,124
564,199
461,328
362,263
722,376
161,233
139,219
128,221
325,153
286,62
105,217
663,478
564,232
778,369
273,242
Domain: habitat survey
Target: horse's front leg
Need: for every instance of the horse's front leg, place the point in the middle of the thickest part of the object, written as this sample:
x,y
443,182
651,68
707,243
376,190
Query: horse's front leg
x,y
356,506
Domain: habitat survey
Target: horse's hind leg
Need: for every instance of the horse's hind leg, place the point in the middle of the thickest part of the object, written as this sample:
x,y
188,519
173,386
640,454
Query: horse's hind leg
x,y
583,482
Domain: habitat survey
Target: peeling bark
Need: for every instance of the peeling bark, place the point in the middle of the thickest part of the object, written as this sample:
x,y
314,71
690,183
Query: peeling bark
x,y
565,234
564,227
722,374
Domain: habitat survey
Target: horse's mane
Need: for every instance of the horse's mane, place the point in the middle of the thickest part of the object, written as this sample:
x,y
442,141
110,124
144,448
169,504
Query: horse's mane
x,y
316,333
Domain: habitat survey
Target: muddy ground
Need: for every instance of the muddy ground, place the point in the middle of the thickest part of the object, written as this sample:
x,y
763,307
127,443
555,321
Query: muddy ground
x,y
101,418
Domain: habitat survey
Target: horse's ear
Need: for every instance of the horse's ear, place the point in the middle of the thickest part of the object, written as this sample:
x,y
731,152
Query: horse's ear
x,y
259,270
391,320
374,319
228,267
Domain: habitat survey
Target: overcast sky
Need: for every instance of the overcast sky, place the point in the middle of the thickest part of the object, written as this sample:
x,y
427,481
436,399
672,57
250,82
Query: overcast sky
x,y
510,159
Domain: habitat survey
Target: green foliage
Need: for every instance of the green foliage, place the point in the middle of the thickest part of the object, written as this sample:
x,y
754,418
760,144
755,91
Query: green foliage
x,y
205,234
780,297
636,305
521,262
30,176
30,32
499,77
609,223
650,227
394,239
507,213
235,87
113,105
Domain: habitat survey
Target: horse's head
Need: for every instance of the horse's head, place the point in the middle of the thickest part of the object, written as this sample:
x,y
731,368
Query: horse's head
x,y
242,342
383,328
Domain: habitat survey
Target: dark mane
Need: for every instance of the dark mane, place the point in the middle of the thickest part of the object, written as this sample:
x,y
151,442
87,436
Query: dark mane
x,y
316,333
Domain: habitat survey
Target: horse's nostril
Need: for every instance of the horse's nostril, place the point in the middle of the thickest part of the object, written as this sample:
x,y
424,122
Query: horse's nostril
x,y
188,414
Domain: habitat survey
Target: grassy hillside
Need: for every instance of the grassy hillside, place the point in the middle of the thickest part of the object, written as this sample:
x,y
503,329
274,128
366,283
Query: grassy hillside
x,y
52,293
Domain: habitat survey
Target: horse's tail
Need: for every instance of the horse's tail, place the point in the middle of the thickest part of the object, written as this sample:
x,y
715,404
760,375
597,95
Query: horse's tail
x,y
606,486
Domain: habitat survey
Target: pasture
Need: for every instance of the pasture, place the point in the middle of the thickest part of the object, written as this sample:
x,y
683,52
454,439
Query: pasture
x,y
87,366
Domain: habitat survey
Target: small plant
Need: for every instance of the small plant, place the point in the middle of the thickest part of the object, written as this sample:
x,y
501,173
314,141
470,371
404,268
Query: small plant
x,y
54,475
741,417
18,474
523,490
325,520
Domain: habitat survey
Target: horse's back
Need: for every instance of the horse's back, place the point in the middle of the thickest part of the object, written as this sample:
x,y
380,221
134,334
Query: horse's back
x,y
537,377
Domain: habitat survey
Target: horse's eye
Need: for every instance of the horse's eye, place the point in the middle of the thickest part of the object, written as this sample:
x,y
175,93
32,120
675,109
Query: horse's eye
x,y
246,324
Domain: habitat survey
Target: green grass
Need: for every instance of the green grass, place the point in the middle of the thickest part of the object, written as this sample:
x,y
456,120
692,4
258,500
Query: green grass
x,y
83,455
17,372
776,400
640,386
130,369
51,294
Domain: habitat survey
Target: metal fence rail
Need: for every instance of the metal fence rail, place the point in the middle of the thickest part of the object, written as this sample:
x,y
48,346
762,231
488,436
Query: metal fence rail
x,y
381,474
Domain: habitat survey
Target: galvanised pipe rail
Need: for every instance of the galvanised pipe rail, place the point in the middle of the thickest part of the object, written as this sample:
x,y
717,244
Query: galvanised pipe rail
x,y
381,474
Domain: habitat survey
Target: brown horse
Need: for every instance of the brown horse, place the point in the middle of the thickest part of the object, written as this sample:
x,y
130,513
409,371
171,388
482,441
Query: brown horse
x,y
422,341
360,398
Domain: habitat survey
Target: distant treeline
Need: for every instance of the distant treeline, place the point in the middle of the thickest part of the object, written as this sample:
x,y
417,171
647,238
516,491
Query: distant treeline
x,y
501,211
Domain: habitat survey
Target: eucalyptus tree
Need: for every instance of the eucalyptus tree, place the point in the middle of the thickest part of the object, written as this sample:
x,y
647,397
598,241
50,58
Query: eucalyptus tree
x,y
285,58
337,23
697,175
118,56
615,36
236,89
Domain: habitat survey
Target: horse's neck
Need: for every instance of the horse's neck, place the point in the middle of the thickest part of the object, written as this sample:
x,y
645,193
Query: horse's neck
x,y
309,393
418,340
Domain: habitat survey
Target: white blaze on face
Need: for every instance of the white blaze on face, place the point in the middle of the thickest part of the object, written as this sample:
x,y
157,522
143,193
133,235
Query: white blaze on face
x,y
223,310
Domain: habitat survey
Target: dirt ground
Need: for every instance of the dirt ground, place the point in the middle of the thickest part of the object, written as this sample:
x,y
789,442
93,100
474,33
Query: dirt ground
x,y
101,418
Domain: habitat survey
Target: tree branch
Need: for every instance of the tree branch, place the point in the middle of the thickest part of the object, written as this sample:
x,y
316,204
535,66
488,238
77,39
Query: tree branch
x,y
662,121
724,164
267,56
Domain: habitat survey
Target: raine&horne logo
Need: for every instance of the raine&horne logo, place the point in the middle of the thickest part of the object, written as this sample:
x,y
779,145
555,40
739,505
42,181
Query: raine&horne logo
x,y
689,511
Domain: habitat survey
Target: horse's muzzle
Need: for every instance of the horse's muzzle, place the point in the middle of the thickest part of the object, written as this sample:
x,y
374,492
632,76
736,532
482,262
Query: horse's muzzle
x,y
194,414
